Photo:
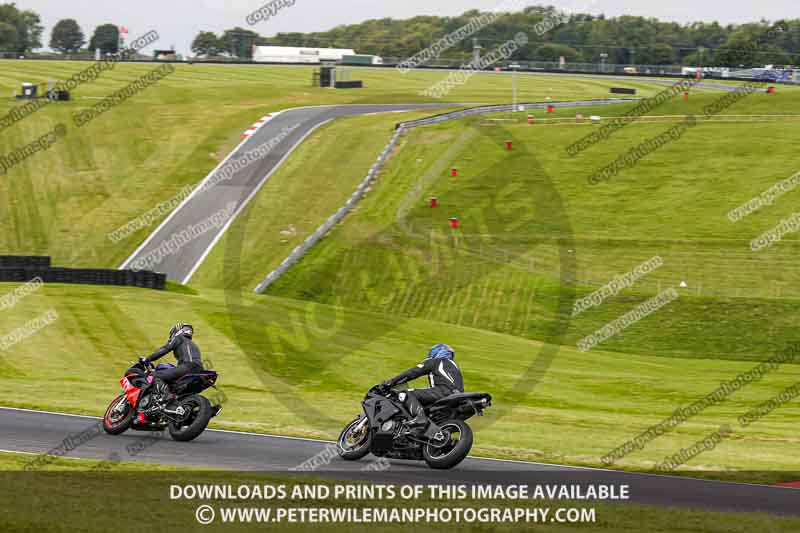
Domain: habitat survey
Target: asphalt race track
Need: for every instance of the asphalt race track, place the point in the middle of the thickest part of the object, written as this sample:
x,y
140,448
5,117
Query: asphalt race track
x,y
35,432
245,183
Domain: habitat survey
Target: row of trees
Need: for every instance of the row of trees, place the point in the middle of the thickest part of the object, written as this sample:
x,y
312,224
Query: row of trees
x,y
237,42
20,30
586,38
68,38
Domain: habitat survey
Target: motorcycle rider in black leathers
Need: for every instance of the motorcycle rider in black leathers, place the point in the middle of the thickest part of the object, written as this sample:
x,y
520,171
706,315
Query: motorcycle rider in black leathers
x,y
443,374
187,353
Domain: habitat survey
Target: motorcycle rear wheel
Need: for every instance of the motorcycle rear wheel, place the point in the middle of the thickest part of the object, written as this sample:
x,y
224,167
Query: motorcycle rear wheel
x,y
115,423
453,448
353,446
196,421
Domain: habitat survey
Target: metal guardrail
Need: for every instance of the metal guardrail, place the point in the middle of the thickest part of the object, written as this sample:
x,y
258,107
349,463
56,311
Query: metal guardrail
x,y
507,108
320,232
401,128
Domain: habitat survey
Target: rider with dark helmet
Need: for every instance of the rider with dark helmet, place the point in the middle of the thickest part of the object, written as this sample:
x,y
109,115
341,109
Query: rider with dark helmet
x,y
186,352
444,377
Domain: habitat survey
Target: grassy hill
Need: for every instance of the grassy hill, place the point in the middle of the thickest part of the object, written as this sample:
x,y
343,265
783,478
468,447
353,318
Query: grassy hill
x,y
286,369
393,278
65,201
531,226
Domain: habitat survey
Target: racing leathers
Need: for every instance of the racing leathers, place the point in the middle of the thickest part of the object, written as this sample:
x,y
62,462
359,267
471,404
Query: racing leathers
x,y
444,377
188,357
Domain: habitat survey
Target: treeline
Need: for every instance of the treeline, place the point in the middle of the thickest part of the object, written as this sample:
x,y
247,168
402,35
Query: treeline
x,y
21,32
585,38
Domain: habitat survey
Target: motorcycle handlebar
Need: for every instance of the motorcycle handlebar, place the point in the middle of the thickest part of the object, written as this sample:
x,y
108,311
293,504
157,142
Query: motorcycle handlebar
x,y
381,389
145,365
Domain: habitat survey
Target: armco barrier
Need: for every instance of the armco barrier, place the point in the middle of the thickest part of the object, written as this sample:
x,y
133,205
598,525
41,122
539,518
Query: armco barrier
x,y
320,232
21,269
312,239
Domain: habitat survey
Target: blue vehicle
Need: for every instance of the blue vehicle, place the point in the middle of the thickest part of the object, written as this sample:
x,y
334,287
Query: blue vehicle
x,y
775,75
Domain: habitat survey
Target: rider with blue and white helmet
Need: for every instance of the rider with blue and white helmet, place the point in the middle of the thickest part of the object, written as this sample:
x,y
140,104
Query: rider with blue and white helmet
x,y
444,377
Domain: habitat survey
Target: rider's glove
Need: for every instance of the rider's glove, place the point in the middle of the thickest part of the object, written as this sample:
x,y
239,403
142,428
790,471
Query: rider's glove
x,y
388,384
142,360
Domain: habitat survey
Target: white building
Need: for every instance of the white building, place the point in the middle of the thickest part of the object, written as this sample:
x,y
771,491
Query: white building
x,y
292,54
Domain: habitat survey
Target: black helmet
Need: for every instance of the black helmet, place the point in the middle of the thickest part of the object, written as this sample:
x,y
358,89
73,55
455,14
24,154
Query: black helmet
x,y
181,329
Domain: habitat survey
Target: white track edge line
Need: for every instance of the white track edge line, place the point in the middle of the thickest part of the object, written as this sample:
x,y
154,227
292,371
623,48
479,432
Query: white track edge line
x,y
186,200
236,149
247,200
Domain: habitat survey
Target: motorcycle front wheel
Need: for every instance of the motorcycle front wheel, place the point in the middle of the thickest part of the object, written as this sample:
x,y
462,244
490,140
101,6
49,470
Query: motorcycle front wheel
x,y
119,416
355,440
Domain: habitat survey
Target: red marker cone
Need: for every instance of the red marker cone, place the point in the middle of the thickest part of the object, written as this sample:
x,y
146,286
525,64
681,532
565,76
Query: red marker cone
x,y
434,202
453,172
454,223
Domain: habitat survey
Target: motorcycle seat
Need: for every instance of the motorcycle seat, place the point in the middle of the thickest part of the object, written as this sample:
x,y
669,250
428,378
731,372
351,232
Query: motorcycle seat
x,y
458,397
194,375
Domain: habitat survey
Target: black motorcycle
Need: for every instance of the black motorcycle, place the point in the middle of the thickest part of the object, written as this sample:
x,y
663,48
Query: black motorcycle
x,y
182,409
384,430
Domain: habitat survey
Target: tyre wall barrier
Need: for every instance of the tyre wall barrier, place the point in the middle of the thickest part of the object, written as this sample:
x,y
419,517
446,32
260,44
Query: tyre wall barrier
x,y
23,269
24,261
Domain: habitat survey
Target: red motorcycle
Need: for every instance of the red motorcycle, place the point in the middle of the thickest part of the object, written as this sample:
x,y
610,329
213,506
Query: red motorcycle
x,y
183,411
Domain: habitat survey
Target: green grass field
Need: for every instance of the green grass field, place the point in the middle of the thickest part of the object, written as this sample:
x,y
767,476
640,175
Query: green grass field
x,y
393,279
65,201
500,270
292,367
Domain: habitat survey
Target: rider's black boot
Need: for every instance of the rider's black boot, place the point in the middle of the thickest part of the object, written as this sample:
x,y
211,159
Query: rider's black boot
x,y
160,391
419,421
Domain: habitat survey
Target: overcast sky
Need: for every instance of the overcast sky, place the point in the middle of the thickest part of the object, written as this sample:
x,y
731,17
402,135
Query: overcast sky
x,y
178,21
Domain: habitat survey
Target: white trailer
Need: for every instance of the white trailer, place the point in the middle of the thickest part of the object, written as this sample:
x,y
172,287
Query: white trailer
x,y
293,54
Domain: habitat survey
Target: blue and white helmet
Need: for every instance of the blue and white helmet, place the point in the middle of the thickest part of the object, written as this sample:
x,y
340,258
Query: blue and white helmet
x,y
442,351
